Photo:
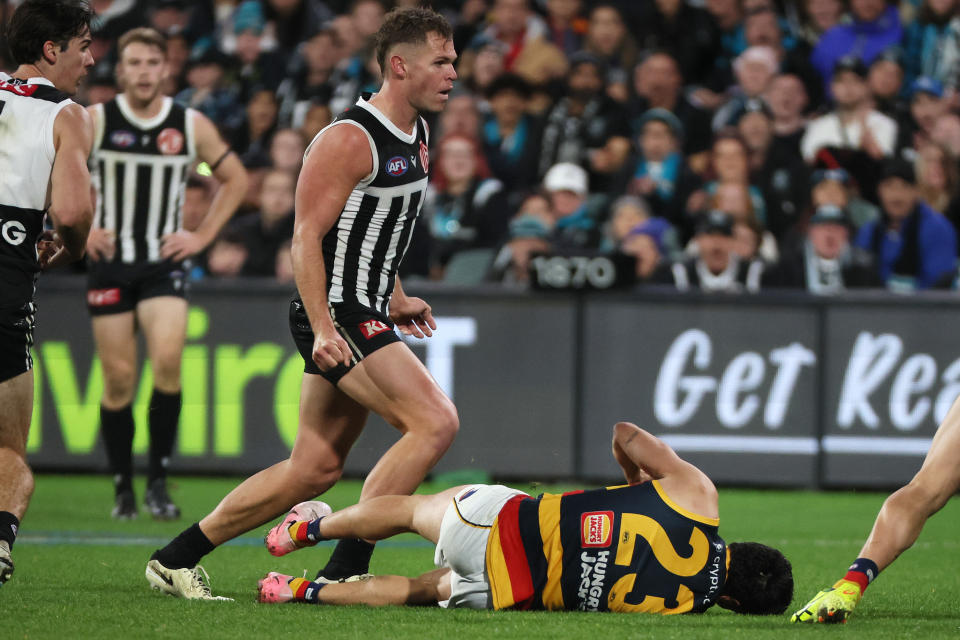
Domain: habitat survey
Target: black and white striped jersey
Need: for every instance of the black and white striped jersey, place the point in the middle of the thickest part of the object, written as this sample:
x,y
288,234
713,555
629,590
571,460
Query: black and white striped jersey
x,y
28,109
362,251
139,170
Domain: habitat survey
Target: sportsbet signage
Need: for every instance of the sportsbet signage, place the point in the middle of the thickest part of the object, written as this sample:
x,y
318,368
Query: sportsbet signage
x,y
760,390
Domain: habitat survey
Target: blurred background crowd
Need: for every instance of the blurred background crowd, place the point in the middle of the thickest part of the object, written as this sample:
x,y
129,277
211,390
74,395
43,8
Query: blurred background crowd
x,y
721,145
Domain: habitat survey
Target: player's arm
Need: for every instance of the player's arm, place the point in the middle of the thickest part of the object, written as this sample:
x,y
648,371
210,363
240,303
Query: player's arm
x,y
229,171
336,162
643,456
70,206
412,315
101,243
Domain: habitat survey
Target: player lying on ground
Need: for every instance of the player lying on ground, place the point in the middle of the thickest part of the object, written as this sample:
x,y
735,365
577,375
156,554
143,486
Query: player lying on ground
x,y
898,525
650,546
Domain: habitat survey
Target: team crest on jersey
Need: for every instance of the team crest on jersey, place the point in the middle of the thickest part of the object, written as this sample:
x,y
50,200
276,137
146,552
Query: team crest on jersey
x,y
596,528
122,138
424,157
170,141
370,328
397,166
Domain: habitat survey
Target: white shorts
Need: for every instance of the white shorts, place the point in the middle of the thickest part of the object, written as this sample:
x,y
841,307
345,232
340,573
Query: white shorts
x,y
463,543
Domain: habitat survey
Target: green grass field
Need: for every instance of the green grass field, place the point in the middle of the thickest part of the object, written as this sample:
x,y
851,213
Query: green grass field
x,y
80,575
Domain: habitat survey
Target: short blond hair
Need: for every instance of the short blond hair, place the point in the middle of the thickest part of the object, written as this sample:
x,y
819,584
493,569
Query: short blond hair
x,y
143,35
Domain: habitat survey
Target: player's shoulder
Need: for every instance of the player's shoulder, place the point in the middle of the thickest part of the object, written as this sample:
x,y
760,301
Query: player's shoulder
x,y
341,137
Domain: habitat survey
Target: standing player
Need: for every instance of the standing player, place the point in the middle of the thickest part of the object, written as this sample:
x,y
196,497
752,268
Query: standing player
x,y
651,546
44,142
898,525
144,148
359,193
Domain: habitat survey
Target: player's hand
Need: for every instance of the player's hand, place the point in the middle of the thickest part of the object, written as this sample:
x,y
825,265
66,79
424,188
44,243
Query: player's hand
x,y
50,251
412,316
181,245
330,349
101,244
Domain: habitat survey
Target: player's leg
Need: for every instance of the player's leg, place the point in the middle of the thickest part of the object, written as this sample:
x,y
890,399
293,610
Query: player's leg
x,y
163,320
115,337
898,525
392,382
16,480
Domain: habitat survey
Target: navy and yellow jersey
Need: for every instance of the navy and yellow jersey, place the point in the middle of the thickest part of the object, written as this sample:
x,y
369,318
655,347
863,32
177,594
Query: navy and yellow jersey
x,y
626,548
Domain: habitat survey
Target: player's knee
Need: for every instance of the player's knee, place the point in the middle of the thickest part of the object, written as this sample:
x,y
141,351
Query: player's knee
x,y
166,375
925,495
318,479
118,386
444,428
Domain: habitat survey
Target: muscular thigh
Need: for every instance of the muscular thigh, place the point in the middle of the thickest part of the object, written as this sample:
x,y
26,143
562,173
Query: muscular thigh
x,y
163,321
116,340
330,422
395,384
941,467
16,398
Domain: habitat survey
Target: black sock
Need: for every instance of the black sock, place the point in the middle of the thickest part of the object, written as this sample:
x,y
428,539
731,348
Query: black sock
x,y
350,557
116,425
185,551
164,417
9,525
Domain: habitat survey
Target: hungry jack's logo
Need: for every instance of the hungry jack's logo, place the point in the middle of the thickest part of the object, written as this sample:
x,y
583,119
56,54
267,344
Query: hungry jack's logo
x,y
596,528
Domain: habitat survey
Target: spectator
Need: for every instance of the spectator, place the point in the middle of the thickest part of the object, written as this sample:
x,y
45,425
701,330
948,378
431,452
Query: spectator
x,y
586,127
660,174
645,243
754,69
658,84
207,90
258,67
885,80
932,44
309,79
686,31
461,117
914,246
528,234
250,140
729,163
608,39
788,101
947,132
317,117
354,76
875,26
853,135
465,208
825,263
367,16
525,35
938,180
574,214
178,53
777,169
819,17
197,198
927,105
734,199
263,234
291,22
286,151
835,187
566,26
227,254
482,62
511,137
716,269
764,28
100,86
728,17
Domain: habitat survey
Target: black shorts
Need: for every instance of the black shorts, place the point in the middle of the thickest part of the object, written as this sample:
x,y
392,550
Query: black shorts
x,y
16,338
116,287
364,329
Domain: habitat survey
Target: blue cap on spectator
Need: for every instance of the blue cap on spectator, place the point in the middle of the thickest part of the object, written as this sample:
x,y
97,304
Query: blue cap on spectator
x,y
666,117
249,17
715,222
656,228
836,175
528,226
926,84
830,214
893,53
850,63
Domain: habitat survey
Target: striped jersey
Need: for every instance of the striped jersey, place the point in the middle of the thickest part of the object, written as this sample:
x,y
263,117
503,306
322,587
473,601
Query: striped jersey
x,y
140,168
628,548
363,249
28,109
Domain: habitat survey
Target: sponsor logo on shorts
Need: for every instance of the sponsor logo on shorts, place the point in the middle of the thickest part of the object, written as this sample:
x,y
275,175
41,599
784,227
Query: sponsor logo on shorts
x,y
370,328
596,528
397,166
424,157
466,494
103,297
123,138
170,141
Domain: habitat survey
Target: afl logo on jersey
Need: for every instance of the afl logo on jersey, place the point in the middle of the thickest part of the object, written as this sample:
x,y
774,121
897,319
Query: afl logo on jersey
x,y
397,166
122,138
424,157
170,141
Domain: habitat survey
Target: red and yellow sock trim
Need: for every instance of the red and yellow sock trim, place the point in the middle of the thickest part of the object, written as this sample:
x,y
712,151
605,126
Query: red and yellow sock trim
x,y
299,587
298,532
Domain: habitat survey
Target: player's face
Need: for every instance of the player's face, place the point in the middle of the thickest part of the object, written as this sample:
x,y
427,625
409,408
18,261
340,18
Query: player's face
x,y
432,73
141,69
73,62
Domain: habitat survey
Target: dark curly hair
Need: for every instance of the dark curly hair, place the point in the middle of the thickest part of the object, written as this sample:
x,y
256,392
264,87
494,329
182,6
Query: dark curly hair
x,y
38,21
759,579
408,26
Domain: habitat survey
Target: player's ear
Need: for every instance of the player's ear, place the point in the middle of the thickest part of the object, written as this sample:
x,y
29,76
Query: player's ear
x,y
50,52
398,66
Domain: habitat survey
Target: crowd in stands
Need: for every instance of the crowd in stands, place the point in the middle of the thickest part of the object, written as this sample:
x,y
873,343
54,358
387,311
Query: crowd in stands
x,y
726,145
